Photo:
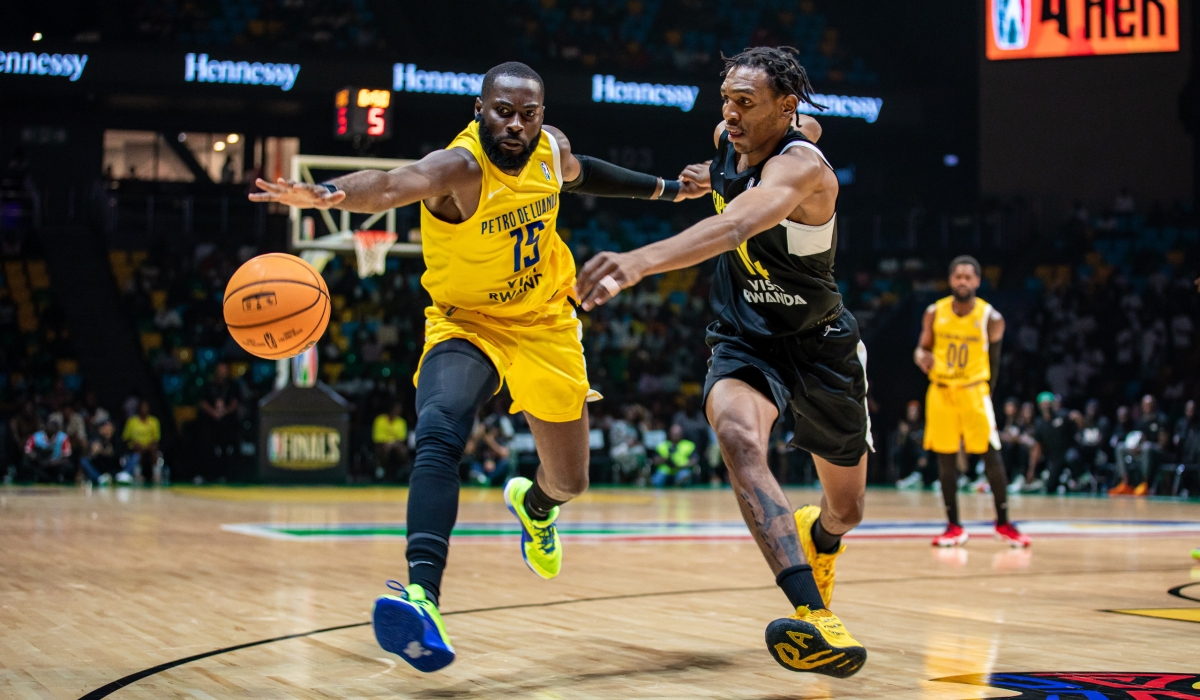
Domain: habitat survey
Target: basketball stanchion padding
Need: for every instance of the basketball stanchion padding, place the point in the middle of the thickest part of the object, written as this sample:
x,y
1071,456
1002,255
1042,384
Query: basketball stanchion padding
x,y
276,306
371,249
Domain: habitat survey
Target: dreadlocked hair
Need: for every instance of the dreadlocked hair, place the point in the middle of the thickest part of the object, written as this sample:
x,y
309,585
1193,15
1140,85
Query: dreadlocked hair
x,y
787,76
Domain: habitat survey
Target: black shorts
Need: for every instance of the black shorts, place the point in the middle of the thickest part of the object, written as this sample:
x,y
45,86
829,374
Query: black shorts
x,y
821,375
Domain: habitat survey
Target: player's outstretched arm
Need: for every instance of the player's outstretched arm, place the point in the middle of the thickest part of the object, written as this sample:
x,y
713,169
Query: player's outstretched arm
x,y
799,177
372,191
995,331
923,353
587,175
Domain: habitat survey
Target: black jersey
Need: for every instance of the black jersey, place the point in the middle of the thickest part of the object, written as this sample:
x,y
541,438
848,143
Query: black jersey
x,y
779,282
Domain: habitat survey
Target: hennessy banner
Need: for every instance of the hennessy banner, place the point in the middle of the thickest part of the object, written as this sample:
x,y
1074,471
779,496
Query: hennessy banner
x,y
1054,28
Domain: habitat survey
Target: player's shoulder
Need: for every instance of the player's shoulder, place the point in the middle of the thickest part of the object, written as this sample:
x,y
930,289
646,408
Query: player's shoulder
x,y
564,144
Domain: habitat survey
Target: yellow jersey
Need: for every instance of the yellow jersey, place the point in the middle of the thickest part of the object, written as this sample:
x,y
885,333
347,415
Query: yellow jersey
x,y
507,260
960,344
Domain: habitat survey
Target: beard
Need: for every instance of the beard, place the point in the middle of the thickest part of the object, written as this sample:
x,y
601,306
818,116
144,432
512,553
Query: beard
x,y
962,296
500,158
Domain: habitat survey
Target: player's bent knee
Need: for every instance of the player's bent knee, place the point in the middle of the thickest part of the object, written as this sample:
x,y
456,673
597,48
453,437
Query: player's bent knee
x,y
565,484
848,512
741,445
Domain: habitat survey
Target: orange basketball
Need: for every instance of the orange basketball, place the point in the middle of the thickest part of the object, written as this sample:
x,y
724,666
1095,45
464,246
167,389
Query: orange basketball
x,y
276,306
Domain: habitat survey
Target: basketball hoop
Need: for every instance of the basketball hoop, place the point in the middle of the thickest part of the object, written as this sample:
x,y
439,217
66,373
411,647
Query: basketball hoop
x,y
371,249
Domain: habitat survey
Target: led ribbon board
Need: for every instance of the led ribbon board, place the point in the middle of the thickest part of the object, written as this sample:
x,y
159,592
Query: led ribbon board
x,y
1053,28
68,65
606,88
866,108
203,70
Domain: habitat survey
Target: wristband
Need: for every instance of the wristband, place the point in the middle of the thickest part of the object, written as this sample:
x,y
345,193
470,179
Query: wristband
x,y
333,189
670,190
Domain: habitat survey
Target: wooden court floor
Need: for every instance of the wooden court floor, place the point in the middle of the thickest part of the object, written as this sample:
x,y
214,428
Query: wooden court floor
x,y
662,595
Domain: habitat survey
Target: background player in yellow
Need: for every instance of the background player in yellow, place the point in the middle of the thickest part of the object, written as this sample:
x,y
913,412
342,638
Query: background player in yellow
x,y
501,280
959,349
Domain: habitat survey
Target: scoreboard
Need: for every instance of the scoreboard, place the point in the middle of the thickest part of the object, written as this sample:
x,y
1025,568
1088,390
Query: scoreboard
x,y
362,112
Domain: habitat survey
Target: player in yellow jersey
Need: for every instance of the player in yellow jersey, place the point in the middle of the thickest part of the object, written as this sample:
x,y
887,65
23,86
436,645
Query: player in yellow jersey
x,y
959,349
502,285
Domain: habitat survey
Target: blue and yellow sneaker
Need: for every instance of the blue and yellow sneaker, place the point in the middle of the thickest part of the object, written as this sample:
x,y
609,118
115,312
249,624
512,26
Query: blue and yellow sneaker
x,y
540,546
815,641
822,564
410,626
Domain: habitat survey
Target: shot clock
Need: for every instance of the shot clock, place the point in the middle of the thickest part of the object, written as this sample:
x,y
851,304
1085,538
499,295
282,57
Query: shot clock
x,y
362,112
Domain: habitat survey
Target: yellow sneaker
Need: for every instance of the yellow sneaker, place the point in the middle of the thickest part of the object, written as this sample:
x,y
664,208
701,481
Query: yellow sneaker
x,y
822,564
540,545
815,641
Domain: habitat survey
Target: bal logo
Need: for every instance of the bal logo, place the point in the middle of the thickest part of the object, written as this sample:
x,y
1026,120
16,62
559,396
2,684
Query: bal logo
x,y
1011,23
1088,686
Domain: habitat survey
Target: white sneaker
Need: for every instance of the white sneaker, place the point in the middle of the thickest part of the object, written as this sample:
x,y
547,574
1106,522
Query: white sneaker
x,y
105,479
981,485
1017,484
124,478
963,482
1034,486
910,483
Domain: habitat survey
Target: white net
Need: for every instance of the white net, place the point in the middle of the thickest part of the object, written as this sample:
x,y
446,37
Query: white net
x,y
371,249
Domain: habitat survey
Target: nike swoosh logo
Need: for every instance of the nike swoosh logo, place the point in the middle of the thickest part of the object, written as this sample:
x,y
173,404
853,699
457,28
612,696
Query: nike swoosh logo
x,y
493,194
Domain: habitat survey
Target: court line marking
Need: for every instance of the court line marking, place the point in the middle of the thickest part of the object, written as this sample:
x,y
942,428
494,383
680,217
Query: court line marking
x,y
110,688
1178,591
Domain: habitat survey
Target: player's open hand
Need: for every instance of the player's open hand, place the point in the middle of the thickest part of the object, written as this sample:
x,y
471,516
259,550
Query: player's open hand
x,y
297,194
604,276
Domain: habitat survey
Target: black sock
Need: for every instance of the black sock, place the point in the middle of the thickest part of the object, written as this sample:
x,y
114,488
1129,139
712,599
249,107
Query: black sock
x,y
826,542
537,504
994,468
948,473
456,379
800,587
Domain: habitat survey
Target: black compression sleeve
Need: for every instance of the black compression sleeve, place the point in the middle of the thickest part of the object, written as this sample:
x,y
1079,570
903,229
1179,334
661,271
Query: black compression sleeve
x,y
603,179
994,360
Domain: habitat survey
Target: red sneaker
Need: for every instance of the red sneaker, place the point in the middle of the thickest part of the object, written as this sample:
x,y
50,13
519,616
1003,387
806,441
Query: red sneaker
x,y
1009,533
952,537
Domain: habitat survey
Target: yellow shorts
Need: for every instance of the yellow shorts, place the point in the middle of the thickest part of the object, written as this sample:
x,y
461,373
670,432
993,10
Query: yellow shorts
x,y
960,416
540,356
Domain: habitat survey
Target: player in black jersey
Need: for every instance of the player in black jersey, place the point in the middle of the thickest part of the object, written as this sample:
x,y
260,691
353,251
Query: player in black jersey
x,y
782,339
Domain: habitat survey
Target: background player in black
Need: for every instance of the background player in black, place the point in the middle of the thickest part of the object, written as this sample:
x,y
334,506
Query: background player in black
x,y
782,340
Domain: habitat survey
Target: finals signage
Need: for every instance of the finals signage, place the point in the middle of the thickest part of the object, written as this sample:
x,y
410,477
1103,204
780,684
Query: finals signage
x,y
1053,28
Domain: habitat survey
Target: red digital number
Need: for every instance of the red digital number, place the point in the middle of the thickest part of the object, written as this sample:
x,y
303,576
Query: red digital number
x,y
376,121
343,124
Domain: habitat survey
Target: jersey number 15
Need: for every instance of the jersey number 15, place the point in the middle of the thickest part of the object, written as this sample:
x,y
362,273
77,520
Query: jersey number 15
x,y
528,236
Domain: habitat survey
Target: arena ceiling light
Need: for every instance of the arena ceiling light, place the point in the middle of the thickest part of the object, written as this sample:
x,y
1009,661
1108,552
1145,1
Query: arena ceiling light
x,y
37,36
233,138
219,146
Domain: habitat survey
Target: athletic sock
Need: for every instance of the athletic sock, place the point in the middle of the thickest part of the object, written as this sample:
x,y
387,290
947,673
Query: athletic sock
x,y
537,504
948,474
993,467
800,587
826,542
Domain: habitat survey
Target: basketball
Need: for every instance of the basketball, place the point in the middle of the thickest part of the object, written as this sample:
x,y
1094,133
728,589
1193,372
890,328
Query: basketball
x,y
276,306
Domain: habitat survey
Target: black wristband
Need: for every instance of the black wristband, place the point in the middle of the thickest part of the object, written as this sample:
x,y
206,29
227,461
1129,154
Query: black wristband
x,y
603,179
333,189
670,190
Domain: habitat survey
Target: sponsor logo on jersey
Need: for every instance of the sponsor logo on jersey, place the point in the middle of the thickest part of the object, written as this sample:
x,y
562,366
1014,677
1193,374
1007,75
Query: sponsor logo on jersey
x,y
767,292
546,171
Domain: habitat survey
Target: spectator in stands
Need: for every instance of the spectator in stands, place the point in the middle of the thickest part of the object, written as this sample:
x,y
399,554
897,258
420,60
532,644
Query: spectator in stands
x,y
489,446
48,453
625,445
22,427
1187,429
141,435
102,461
94,415
908,451
219,410
1142,451
1010,442
1053,436
74,426
695,425
390,435
1094,431
674,459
